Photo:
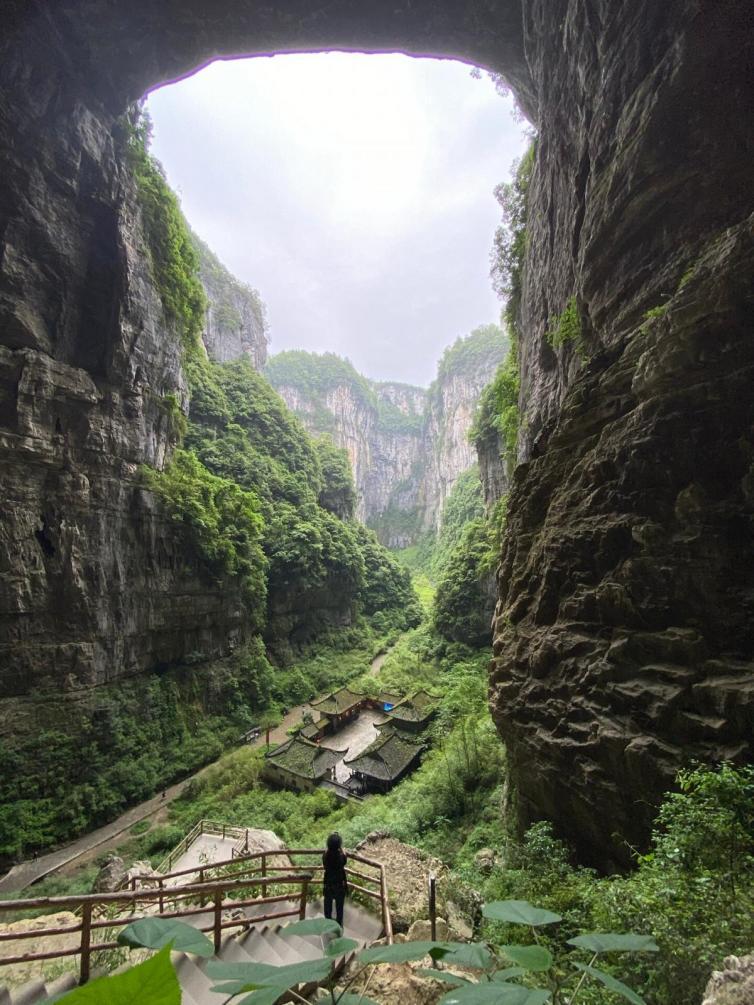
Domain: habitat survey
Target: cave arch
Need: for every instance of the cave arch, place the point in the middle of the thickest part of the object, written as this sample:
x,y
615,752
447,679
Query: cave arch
x,y
623,642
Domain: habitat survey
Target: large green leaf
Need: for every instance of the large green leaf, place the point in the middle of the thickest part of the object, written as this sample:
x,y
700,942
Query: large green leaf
x,y
312,926
613,983
401,952
519,912
152,982
238,977
340,946
505,975
262,996
154,933
607,942
465,954
443,975
534,958
495,994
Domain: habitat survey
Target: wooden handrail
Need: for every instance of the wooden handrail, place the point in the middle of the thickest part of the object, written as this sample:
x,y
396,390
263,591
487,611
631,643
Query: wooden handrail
x,y
216,890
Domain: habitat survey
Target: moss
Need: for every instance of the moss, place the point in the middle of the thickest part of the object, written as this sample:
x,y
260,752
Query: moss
x,y
652,315
567,328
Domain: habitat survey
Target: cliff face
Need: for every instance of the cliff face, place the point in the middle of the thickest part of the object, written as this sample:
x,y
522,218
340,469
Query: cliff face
x,y
91,568
623,639
236,325
407,445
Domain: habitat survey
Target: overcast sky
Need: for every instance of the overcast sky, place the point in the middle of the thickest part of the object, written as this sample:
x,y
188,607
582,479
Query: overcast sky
x,y
354,192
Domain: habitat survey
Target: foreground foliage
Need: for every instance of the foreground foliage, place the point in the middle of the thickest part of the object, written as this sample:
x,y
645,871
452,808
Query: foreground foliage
x,y
535,978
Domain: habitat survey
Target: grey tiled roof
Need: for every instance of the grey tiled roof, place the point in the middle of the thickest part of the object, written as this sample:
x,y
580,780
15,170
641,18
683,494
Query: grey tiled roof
x,y
303,758
386,758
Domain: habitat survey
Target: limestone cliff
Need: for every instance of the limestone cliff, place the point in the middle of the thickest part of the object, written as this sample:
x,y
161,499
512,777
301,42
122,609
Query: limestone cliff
x,y
623,638
407,445
236,325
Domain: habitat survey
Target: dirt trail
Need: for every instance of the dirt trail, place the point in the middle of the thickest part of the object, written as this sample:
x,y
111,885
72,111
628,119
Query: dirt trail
x,y
26,873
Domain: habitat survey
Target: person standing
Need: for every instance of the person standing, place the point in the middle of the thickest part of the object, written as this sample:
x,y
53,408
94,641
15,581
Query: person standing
x,y
335,884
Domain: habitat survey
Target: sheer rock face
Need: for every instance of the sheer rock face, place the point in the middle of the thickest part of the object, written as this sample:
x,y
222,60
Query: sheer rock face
x,y
403,474
236,324
95,582
623,637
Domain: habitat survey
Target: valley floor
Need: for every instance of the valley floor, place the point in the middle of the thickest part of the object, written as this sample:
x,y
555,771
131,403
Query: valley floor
x,y
24,874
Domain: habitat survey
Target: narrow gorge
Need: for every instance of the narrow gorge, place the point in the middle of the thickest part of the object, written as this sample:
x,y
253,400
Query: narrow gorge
x,y
187,517
407,445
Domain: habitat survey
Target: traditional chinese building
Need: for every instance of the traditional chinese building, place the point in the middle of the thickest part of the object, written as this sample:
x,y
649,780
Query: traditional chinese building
x,y
339,707
384,762
414,713
300,764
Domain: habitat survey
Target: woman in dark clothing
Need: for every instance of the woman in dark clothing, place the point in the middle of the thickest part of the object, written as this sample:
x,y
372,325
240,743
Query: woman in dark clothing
x,y
335,886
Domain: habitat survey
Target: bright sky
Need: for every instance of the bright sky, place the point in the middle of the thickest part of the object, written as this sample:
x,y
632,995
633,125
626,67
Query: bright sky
x,y
354,192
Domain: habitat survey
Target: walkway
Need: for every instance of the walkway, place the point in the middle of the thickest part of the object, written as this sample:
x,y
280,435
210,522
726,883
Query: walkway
x,y
26,873
354,738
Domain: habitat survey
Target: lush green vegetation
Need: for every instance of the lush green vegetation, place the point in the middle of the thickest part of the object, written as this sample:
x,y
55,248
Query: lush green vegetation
x,y
175,262
223,522
495,427
693,893
241,430
120,746
337,494
464,599
469,355
463,504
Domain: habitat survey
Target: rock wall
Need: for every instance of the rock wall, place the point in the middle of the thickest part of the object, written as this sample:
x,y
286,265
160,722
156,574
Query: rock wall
x,y
407,445
623,640
95,583
236,324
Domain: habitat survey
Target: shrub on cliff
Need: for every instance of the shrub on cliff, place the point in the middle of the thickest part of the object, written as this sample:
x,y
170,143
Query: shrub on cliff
x,y
175,263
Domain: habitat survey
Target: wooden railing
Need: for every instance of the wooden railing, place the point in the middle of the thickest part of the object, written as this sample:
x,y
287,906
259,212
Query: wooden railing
x,y
218,887
203,827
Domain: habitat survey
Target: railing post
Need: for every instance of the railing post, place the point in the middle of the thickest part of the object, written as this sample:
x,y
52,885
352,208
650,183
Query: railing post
x,y
86,940
218,919
302,905
433,906
162,900
246,846
264,873
223,832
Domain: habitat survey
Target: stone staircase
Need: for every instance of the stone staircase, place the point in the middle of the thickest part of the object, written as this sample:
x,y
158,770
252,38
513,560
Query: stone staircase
x,y
265,944
258,944
228,895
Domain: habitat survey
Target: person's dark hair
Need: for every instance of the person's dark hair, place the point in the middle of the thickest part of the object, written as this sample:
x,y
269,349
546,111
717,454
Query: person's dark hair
x,y
334,848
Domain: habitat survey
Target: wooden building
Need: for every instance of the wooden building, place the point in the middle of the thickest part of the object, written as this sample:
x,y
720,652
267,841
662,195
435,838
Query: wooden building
x,y
300,764
413,714
339,707
384,762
